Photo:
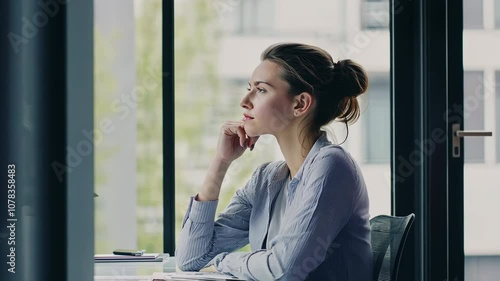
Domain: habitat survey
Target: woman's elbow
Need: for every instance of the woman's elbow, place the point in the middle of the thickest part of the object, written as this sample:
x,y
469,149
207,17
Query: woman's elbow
x,y
186,263
190,266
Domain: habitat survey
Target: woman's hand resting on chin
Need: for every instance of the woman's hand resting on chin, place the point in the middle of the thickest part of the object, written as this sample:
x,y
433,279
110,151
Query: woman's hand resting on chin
x,y
233,141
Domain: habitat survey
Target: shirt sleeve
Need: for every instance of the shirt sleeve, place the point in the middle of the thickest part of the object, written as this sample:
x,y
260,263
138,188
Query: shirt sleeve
x,y
201,239
321,207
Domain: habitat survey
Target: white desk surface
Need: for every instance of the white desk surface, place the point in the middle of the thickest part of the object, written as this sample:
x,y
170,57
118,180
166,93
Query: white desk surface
x,y
132,271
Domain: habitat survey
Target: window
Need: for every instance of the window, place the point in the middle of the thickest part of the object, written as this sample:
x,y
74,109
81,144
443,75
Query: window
x,y
256,16
480,172
375,14
497,112
245,16
127,116
376,120
481,245
473,14
497,13
474,115
214,61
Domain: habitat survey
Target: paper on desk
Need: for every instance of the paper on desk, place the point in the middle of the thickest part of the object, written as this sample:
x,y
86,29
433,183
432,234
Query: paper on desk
x,y
160,276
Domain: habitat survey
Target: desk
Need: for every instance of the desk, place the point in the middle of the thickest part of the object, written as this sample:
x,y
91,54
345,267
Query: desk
x,y
131,271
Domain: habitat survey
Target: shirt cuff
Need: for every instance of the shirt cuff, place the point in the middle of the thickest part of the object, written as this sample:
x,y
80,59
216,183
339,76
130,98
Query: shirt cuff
x,y
202,211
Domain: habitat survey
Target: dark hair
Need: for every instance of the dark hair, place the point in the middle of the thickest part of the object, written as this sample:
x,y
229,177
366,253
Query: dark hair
x,y
335,86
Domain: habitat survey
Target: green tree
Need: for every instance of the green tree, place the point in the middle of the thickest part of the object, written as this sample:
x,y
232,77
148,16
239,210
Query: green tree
x,y
149,151
104,86
196,88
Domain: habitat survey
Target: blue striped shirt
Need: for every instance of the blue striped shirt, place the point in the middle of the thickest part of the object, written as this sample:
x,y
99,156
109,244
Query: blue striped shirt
x,y
325,234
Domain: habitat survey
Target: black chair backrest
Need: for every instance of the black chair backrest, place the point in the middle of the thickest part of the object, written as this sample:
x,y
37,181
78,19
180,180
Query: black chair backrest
x,y
388,239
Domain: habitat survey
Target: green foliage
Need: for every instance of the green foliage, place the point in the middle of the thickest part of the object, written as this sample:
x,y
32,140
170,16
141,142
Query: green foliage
x,y
149,151
105,83
196,85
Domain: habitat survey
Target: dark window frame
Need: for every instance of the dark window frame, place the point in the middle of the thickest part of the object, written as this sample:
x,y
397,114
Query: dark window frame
x,y
426,43
168,127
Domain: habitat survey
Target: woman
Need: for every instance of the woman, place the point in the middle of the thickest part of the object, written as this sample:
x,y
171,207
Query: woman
x,y
305,218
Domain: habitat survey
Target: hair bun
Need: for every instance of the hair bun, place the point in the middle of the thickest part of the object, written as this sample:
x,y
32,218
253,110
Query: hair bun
x,y
350,77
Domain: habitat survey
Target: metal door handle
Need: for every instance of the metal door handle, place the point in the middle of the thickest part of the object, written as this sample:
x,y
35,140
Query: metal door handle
x,y
457,134
462,134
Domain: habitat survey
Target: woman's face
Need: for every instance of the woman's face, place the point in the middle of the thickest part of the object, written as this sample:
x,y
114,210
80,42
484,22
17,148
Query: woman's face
x,y
268,107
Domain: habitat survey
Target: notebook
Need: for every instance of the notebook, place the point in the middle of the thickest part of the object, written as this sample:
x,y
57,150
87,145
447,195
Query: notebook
x,y
151,257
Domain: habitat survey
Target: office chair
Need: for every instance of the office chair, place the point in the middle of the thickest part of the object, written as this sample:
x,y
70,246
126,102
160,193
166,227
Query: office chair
x,y
388,240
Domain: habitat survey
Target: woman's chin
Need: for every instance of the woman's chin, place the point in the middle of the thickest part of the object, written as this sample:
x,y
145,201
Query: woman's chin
x,y
250,133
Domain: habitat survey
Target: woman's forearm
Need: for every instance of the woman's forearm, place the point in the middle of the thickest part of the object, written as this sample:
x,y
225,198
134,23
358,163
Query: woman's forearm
x,y
210,188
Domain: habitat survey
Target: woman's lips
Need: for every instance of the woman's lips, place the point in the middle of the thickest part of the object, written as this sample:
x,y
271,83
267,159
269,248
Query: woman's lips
x,y
247,117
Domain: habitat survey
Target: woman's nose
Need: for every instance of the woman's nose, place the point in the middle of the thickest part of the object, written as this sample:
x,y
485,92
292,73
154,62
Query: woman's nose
x,y
245,102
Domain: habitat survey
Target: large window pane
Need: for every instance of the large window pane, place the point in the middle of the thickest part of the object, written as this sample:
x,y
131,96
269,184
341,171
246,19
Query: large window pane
x,y
377,120
473,14
481,177
217,47
497,13
128,128
497,119
474,115
256,16
375,14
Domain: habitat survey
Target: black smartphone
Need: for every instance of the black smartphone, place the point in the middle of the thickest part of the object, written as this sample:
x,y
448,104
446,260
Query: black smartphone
x,y
128,252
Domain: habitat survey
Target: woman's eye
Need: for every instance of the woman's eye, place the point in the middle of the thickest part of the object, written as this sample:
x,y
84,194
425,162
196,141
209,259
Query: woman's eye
x,y
260,90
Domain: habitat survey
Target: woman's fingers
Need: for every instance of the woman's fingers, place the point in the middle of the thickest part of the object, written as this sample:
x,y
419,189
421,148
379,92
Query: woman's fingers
x,y
241,133
252,141
232,128
236,128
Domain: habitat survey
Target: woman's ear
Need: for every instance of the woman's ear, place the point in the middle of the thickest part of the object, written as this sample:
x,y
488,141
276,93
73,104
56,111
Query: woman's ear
x,y
302,103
